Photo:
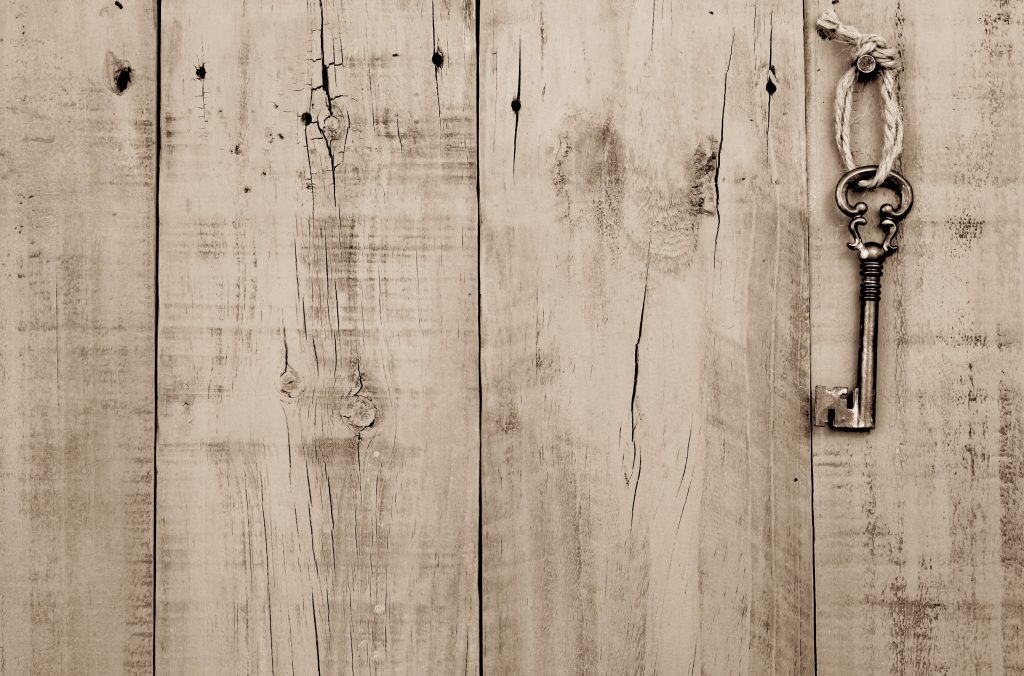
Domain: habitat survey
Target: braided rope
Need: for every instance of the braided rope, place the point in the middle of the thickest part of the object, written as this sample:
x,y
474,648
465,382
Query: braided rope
x,y
887,61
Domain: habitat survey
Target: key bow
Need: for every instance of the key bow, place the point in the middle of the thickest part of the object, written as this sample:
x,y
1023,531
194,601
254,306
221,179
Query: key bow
x,y
890,215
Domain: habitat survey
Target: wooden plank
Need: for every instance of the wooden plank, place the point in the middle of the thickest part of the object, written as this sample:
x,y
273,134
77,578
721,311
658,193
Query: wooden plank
x,y
318,454
644,329
77,238
920,524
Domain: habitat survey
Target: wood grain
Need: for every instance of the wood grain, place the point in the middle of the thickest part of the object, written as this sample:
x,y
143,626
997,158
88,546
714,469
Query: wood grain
x,y
318,453
77,161
920,524
645,338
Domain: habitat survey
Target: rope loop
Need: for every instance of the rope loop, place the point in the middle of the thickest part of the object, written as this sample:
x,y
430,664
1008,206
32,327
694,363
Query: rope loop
x,y
886,60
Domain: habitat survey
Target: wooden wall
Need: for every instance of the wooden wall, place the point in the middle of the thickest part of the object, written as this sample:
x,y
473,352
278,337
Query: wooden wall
x,y
646,499
439,337
919,526
77,256
318,456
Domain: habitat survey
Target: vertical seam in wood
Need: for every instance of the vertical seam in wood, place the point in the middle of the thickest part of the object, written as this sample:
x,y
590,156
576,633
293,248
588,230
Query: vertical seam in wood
x,y
156,307
810,290
479,368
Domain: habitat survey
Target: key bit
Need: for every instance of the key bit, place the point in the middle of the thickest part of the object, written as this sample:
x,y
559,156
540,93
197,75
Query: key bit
x,y
842,408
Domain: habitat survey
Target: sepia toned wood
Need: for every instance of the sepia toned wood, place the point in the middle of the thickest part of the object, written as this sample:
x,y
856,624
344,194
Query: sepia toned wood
x,y
646,495
633,375
920,524
77,235
318,441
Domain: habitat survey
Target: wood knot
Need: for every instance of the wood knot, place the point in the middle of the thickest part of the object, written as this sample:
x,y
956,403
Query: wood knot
x,y
359,411
331,128
120,74
290,383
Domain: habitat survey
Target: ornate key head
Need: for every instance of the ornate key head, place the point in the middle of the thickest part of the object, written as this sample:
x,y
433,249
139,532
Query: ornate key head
x,y
890,215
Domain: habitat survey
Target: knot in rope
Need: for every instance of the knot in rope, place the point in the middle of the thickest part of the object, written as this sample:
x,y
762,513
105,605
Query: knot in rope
x,y
864,44
886,59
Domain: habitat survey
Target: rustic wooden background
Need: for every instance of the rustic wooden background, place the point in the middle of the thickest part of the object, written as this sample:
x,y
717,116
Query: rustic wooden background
x,y
438,337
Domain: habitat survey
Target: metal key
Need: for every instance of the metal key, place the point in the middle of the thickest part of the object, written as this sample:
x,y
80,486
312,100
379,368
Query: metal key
x,y
838,407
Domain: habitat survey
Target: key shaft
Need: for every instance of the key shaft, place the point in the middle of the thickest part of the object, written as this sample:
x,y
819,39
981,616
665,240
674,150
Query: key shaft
x,y
870,295
839,407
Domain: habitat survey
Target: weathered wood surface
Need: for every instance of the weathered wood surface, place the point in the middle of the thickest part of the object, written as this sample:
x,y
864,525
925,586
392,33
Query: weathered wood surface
x,y
318,446
646,498
645,342
77,161
920,524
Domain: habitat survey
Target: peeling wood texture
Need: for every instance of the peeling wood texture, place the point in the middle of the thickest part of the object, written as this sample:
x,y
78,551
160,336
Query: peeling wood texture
x,y
646,498
77,235
318,444
920,524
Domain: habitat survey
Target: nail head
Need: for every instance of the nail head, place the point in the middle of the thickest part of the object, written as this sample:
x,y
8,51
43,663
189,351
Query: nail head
x,y
866,64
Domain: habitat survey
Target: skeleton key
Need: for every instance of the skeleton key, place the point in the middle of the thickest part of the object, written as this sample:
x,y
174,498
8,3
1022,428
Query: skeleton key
x,y
838,407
